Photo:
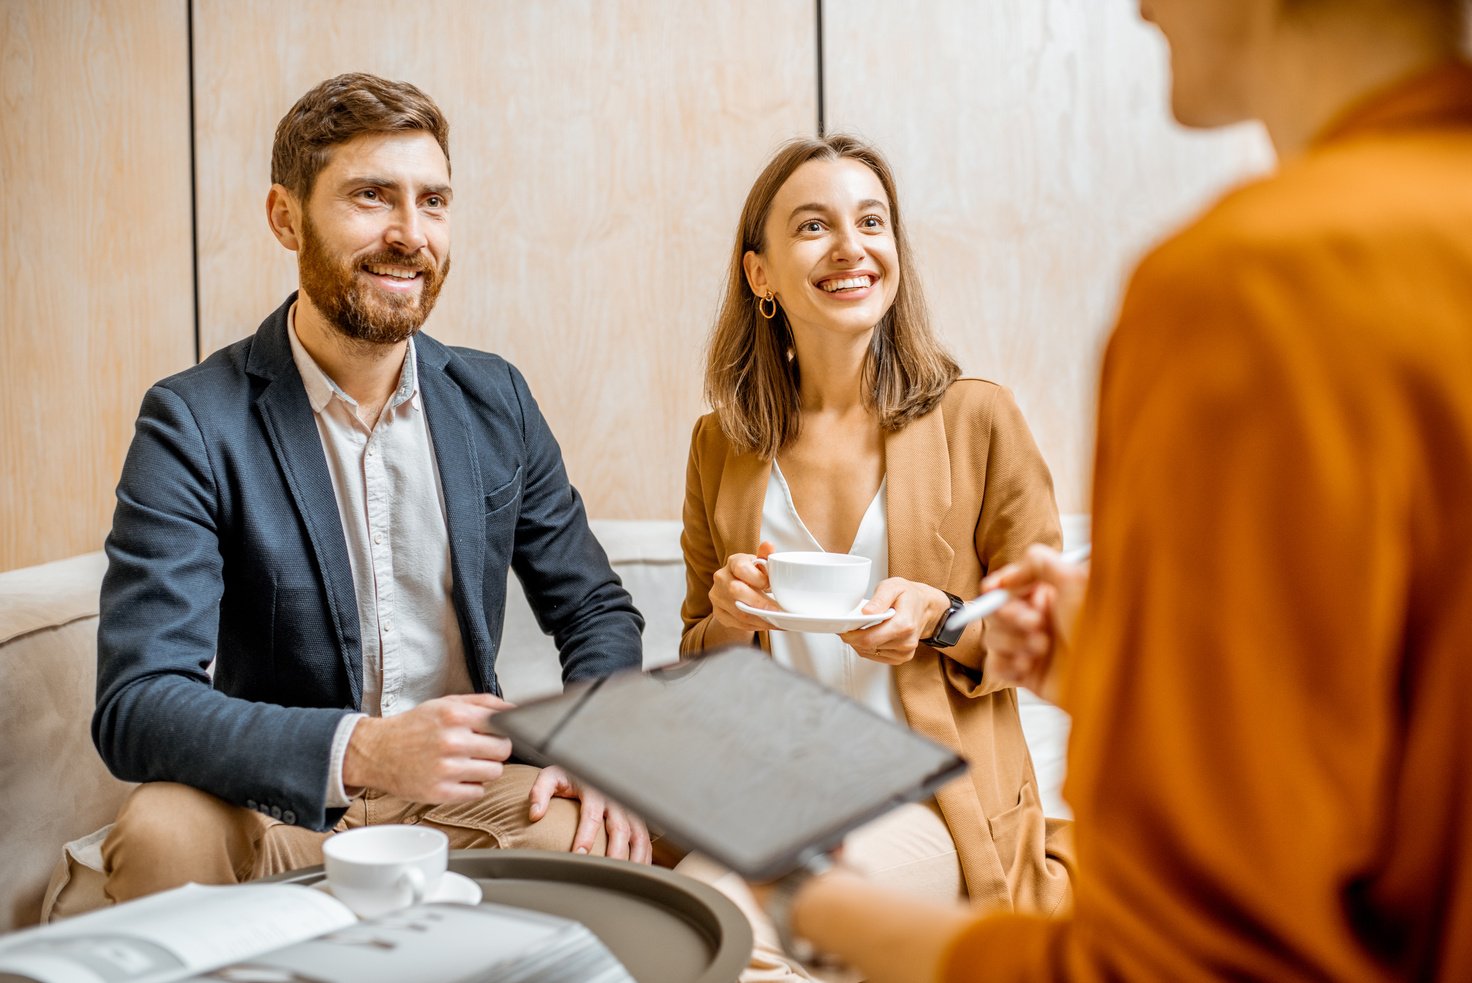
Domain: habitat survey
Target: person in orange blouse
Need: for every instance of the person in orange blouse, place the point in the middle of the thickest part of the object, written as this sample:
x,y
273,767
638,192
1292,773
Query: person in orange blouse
x,y
1269,663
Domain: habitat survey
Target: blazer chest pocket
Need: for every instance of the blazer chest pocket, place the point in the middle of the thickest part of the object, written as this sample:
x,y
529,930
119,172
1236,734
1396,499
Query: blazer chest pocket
x,y
505,494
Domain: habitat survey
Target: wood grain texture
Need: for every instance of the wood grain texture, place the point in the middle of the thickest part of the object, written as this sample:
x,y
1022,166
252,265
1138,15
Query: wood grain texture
x,y
95,243
601,152
1035,160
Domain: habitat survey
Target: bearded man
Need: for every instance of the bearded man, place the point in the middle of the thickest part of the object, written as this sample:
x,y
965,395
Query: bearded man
x,y
326,512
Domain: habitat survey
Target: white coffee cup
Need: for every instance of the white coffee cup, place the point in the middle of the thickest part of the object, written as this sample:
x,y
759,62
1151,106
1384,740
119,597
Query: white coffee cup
x,y
377,869
827,584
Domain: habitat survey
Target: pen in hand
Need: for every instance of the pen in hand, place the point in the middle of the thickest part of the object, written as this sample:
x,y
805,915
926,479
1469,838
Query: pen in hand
x,y
994,600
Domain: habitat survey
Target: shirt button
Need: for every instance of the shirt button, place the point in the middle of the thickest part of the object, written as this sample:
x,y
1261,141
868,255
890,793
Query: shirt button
x,y
288,817
388,626
275,812
372,450
250,803
378,537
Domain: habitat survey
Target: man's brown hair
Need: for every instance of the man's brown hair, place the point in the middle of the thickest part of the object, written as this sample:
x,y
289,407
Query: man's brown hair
x,y
340,109
751,370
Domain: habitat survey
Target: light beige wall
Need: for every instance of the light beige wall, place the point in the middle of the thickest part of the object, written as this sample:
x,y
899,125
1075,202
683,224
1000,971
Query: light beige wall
x,y
1035,161
95,247
601,151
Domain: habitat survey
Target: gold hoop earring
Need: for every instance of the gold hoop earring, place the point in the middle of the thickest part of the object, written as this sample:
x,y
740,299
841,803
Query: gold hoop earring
x,y
761,305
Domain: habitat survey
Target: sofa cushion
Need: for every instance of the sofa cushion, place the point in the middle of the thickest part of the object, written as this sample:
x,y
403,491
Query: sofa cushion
x,y
646,556
55,786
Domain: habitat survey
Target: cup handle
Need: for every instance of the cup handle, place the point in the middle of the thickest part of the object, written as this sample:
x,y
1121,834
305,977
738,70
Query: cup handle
x,y
414,878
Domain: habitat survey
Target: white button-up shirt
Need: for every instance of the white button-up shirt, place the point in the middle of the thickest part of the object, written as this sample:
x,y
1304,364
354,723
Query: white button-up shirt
x,y
392,507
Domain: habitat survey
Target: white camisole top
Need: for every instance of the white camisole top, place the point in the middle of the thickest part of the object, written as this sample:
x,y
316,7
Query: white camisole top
x,y
827,658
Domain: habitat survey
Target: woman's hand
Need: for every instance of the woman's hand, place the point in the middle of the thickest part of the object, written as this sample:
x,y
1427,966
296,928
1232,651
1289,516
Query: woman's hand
x,y
742,579
1022,638
917,609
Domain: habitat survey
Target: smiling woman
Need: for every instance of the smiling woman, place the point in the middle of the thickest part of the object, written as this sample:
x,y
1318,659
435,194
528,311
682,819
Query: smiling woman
x,y
840,424
751,376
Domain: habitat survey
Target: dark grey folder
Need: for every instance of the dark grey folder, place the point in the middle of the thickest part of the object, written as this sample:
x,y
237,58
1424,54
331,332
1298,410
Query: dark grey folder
x,y
731,754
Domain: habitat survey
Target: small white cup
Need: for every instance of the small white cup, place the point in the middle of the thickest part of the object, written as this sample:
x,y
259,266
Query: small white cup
x,y
377,869
830,585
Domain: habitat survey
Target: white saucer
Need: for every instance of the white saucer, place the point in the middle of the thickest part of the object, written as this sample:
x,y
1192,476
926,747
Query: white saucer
x,y
819,624
453,888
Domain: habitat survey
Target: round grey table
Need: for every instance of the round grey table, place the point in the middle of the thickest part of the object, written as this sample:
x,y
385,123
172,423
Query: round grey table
x,y
664,927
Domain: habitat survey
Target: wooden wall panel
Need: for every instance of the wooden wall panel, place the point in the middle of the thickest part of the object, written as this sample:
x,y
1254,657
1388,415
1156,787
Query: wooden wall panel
x,y
1035,160
601,152
95,243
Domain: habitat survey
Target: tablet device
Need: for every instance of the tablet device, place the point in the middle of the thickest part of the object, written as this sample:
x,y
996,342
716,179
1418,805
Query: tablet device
x,y
732,755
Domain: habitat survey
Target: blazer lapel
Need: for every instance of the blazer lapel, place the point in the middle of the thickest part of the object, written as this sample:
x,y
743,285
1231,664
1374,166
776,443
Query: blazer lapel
x,y
291,428
737,515
917,467
460,480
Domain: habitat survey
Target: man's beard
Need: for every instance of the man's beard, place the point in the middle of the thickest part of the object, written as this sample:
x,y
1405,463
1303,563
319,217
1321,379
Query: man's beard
x,y
357,309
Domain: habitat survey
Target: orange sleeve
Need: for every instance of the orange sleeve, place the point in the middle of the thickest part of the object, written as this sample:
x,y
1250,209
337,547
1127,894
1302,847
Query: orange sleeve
x,y
1232,718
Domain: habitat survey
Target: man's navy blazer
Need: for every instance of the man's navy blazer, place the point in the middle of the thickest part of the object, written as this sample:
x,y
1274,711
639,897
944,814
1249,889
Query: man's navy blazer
x,y
227,547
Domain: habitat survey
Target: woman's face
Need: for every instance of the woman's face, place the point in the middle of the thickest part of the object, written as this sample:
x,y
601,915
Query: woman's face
x,y
830,255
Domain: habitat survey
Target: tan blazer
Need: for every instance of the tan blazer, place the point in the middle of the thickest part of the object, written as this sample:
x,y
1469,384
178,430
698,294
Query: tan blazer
x,y
967,491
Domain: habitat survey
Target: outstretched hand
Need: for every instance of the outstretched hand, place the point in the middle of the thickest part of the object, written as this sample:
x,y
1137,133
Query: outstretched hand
x,y
1024,637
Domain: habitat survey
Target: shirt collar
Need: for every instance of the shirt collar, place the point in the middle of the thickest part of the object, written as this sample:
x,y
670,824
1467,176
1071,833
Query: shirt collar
x,y
1431,98
319,385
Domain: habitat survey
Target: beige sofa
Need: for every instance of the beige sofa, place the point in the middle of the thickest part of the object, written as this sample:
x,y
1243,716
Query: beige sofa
x,y
55,791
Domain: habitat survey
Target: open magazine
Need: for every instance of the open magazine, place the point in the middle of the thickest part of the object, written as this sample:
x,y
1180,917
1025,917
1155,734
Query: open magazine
x,y
287,933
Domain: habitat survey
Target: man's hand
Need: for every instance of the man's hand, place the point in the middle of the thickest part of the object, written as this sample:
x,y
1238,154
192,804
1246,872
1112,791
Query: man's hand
x,y
1023,638
441,751
628,837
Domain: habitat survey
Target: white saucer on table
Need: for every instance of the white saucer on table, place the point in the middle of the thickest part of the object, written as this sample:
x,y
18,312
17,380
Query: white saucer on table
x,y
453,888
819,623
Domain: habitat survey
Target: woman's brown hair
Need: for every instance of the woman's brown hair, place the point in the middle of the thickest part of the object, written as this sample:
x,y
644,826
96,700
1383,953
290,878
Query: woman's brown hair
x,y
751,370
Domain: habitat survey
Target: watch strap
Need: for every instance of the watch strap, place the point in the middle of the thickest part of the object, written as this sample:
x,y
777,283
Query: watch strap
x,y
944,637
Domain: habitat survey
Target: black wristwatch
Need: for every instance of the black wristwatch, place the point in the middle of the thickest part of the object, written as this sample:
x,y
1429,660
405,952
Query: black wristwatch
x,y
942,637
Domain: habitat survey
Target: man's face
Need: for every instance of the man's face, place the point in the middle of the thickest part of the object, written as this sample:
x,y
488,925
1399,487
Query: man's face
x,y
375,235
1213,46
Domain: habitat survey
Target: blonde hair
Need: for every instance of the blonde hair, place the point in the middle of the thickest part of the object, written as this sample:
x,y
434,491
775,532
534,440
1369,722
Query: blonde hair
x,y
751,370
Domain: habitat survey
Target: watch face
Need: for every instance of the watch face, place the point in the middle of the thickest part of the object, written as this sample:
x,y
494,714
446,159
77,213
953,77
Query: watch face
x,y
942,638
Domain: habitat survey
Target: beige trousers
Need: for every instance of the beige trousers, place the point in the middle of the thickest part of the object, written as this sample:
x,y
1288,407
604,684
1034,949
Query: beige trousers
x,y
168,835
908,849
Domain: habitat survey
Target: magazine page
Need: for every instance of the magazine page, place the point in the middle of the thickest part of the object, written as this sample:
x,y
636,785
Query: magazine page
x,y
438,943
171,935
